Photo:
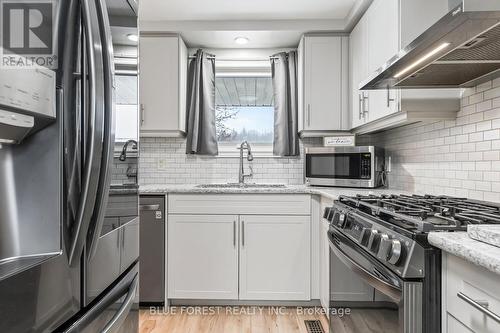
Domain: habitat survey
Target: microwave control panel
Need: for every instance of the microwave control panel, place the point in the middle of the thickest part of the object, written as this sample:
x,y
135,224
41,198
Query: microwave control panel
x,y
366,166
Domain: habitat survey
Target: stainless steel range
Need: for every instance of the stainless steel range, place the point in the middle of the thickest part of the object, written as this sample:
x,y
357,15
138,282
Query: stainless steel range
x,y
382,242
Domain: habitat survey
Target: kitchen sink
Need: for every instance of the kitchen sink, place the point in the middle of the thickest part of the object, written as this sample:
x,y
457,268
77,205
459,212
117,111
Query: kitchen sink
x,y
236,185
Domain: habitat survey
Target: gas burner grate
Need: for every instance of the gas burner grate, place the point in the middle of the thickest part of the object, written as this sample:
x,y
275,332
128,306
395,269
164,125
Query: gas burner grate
x,y
314,326
425,212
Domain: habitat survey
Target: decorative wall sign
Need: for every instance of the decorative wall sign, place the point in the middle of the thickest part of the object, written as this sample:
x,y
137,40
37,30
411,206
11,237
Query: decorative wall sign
x,y
333,141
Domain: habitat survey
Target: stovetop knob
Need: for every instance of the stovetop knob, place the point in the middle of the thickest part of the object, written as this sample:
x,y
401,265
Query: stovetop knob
x,y
385,247
341,223
374,240
364,236
326,213
396,253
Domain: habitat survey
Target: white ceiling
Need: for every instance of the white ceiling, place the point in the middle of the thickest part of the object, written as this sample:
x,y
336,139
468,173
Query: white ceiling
x,y
243,91
243,9
266,23
257,39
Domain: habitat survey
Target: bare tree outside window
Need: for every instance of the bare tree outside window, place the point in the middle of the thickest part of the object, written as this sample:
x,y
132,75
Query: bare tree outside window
x,y
222,115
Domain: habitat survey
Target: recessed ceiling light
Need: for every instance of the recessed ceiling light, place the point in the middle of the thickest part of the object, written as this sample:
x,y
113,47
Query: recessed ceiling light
x,y
241,40
133,37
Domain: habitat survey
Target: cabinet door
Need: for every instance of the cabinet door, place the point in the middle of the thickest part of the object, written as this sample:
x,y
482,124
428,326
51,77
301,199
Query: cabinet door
x,y
324,79
357,71
159,85
454,326
275,257
104,267
202,256
383,44
130,244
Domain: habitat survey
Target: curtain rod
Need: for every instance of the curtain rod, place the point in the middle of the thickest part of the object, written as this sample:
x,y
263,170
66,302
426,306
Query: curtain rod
x,y
212,57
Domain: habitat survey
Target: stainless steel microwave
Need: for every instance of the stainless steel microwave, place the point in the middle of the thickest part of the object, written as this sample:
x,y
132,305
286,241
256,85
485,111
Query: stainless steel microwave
x,y
359,166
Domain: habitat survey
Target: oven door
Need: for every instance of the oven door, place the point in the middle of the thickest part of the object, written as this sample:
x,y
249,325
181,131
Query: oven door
x,y
396,305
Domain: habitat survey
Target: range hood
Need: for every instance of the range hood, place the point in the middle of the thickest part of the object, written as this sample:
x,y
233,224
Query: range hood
x,y
461,50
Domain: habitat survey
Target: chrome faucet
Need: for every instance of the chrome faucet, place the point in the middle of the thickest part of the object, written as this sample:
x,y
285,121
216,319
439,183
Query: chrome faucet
x,y
245,145
123,155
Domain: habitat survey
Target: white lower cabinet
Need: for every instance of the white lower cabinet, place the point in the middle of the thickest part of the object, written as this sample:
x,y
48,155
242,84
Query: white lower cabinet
x,y
275,257
455,326
471,297
202,256
250,255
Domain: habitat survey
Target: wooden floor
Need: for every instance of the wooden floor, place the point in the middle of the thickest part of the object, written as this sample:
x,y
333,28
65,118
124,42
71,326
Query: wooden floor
x,y
230,320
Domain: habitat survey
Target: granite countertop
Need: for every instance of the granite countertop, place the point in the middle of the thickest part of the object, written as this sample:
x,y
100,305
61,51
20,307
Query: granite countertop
x,y
487,233
461,245
329,192
123,189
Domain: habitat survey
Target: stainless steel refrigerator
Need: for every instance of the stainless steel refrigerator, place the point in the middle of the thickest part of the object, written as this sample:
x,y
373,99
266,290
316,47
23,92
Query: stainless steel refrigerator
x,y
64,265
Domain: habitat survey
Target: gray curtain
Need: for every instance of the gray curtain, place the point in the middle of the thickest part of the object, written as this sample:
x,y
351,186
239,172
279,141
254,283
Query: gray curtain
x,y
284,72
201,135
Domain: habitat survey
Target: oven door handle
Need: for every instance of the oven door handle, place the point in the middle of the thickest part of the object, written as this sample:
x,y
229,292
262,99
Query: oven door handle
x,y
390,290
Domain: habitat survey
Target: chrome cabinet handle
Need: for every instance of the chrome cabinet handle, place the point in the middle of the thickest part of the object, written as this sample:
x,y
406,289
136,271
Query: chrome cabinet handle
x,y
366,99
389,99
308,114
149,207
142,114
93,158
360,106
243,233
480,305
234,233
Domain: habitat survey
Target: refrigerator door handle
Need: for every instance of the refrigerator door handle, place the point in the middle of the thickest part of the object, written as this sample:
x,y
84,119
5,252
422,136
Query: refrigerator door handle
x,y
117,321
109,135
125,287
96,115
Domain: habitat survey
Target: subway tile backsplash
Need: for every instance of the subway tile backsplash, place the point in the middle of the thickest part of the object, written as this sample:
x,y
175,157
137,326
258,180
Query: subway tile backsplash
x,y
459,157
164,161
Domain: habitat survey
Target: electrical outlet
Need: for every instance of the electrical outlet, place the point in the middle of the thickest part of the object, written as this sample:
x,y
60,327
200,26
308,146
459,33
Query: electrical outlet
x,y
162,164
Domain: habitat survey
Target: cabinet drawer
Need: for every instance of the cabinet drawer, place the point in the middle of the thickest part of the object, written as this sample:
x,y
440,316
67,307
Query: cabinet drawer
x,y
455,326
467,284
237,204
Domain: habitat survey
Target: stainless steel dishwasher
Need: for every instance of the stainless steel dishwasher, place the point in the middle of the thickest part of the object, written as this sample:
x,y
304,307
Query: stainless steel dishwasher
x,y
152,250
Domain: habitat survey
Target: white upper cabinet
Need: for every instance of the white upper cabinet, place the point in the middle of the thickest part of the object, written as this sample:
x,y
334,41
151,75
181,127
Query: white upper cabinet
x,y
418,16
162,85
387,27
323,84
382,43
358,69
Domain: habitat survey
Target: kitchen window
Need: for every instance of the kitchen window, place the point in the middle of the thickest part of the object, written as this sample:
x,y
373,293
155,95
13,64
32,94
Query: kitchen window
x,y
126,108
244,106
